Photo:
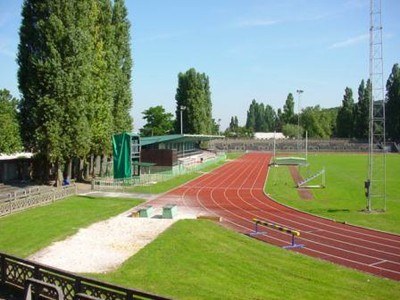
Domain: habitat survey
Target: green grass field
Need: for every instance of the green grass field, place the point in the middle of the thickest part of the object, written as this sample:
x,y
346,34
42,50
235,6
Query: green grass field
x,y
343,198
162,187
28,231
196,259
200,260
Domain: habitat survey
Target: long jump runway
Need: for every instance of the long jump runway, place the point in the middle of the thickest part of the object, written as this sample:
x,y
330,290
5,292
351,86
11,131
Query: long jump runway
x,y
235,193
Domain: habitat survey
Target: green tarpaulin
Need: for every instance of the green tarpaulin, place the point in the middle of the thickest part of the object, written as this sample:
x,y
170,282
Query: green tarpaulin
x,y
122,156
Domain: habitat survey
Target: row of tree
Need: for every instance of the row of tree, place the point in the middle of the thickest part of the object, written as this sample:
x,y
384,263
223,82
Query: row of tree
x,y
350,120
74,76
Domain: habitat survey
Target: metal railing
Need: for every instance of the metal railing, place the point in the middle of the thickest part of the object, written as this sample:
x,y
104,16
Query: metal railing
x,y
146,179
23,199
15,273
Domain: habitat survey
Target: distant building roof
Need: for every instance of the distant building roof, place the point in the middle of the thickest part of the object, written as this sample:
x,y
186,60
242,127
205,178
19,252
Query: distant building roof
x,y
178,138
19,155
269,135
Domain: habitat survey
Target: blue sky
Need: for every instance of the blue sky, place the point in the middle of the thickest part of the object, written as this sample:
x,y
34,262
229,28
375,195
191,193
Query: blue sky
x,y
250,49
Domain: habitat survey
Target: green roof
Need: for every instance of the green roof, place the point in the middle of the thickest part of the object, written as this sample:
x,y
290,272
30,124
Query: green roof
x,y
180,138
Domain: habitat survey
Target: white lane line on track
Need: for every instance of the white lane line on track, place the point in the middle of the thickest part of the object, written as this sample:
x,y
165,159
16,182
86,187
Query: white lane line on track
x,y
219,188
379,262
280,240
314,233
304,239
314,220
321,244
328,246
323,253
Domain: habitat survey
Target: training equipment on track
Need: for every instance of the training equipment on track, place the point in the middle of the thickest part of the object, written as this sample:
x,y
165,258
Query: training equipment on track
x,y
280,228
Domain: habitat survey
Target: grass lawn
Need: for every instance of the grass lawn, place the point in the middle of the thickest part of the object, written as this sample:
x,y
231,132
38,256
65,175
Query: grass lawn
x,y
343,198
162,187
201,260
28,231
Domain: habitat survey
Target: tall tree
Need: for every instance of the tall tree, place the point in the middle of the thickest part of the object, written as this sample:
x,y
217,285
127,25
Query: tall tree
x,y
288,116
100,102
270,118
10,138
234,124
233,129
361,111
123,67
393,104
261,122
260,117
252,115
345,117
71,55
158,122
193,94
45,77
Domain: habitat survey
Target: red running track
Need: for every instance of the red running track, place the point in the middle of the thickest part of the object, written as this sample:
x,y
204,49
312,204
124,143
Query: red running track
x,y
235,193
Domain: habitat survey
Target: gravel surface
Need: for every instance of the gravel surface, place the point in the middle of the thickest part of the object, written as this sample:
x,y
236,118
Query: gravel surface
x,y
105,245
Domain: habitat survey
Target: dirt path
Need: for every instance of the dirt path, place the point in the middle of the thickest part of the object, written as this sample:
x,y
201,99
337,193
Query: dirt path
x,y
304,193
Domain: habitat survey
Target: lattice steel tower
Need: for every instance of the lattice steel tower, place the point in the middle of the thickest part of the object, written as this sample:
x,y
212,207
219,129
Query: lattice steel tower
x,y
376,183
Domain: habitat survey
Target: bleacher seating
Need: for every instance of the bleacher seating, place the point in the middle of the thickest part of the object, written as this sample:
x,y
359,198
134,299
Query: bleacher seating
x,y
197,158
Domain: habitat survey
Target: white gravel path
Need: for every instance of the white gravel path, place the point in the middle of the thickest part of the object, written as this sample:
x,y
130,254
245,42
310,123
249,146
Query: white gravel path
x,y
103,246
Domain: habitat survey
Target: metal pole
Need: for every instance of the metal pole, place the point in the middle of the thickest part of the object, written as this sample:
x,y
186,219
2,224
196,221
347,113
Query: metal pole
x,y
299,92
306,145
274,146
182,108
181,123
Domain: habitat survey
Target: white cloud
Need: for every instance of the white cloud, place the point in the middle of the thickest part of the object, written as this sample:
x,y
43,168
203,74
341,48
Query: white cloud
x,y
350,41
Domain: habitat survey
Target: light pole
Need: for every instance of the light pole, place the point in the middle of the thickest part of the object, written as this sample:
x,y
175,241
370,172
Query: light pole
x,y
182,108
299,92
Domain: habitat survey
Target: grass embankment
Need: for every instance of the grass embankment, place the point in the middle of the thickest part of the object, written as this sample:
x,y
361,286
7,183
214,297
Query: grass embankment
x,y
201,260
344,196
26,232
162,187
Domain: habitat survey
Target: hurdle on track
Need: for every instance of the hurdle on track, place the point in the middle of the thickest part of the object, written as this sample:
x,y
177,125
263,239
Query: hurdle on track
x,y
294,233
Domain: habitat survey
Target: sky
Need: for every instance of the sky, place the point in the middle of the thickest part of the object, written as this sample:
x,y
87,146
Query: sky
x,y
250,49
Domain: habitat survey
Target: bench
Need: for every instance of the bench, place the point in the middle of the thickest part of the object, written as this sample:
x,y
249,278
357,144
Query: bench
x,y
169,211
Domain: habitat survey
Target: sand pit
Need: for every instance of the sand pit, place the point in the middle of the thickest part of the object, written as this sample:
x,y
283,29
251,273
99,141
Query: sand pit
x,y
105,245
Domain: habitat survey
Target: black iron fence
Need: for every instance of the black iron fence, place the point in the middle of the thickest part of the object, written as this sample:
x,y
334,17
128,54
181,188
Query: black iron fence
x,y
15,273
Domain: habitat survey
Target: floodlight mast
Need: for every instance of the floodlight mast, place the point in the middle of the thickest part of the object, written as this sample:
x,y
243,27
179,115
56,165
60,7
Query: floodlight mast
x,y
182,108
376,183
299,92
